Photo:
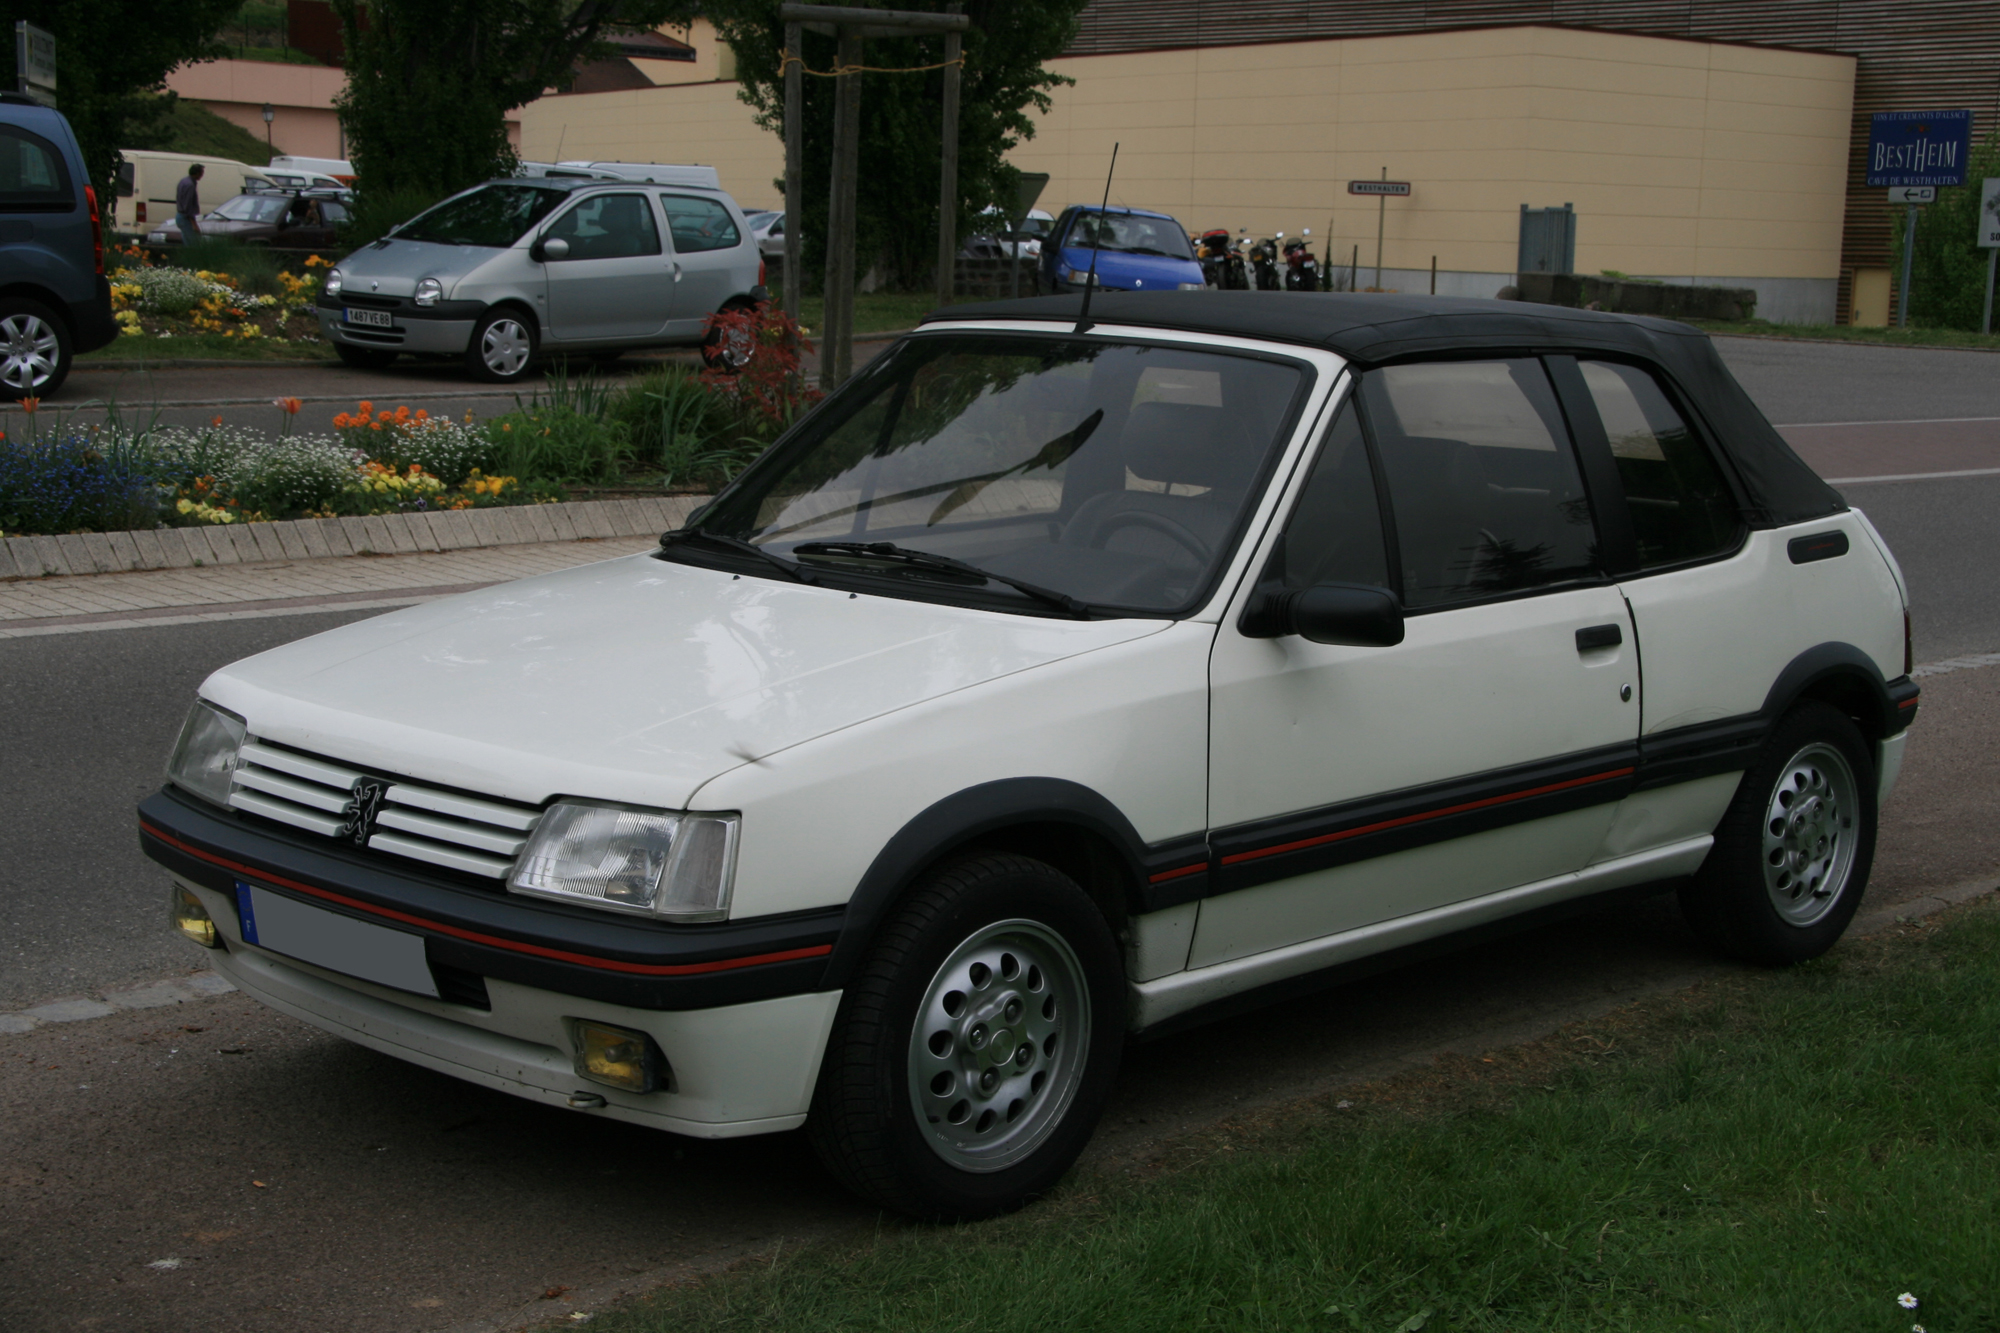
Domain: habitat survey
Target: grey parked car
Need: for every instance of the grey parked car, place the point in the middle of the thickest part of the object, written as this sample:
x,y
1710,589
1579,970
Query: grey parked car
x,y
54,301
507,270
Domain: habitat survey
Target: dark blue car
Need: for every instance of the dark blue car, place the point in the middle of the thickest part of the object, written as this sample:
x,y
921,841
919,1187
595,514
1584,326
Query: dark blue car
x,y
54,301
1138,251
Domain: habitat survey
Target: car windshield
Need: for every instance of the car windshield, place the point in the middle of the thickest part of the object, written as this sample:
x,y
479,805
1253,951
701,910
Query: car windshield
x,y
1131,234
253,208
1115,474
493,215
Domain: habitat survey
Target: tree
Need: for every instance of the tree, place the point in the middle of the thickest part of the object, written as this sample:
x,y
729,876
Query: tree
x,y
897,213
430,82
1948,270
112,58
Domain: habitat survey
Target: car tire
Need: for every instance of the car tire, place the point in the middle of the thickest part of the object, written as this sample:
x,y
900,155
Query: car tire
x,y
973,1052
504,347
363,358
1793,851
35,349
728,359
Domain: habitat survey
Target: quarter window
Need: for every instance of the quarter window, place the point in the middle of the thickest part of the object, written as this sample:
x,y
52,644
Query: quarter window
x,y
699,224
1335,535
609,226
1484,490
1680,503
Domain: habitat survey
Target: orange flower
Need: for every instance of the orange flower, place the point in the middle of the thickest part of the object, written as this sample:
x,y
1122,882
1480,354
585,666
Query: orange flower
x,y
30,404
342,421
403,412
374,425
291,405
366,407
422,415
215,421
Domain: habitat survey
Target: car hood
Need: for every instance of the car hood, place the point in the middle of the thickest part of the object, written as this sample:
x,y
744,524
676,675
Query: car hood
x,y
1129,272
393,266
633,680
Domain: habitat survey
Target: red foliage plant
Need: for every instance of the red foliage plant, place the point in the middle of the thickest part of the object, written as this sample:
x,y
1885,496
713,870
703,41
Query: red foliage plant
x,y
770,385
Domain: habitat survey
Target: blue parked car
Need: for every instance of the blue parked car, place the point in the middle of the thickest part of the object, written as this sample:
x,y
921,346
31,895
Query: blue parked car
x,y
54,300
1139,252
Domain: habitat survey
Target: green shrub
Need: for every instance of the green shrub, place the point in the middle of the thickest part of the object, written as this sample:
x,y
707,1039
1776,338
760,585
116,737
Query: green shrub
x,y
1948,270
248,268
678,424
557,443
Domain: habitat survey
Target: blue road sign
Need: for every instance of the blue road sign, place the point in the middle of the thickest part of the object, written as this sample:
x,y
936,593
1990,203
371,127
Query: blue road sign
x,y
1918,147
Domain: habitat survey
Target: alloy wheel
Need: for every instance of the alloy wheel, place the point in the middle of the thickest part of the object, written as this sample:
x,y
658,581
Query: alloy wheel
x,y
505,347
29,351
1809,833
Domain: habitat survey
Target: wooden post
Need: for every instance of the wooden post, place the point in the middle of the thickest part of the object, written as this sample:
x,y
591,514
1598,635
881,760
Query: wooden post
x,y
948,170
837,344
795,137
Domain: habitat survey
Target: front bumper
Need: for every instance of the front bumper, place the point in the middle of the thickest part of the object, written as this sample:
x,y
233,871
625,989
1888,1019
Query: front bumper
x,y
447,336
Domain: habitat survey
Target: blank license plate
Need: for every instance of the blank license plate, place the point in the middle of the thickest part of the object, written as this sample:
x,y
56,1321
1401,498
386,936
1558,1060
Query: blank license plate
x,y
330,940
377,319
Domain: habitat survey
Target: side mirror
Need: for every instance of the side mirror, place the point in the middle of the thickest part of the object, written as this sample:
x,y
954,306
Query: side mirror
x,y
553,247
1352,614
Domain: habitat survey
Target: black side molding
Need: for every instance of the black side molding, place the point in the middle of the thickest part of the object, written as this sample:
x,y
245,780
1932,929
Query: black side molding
x,y
1816,546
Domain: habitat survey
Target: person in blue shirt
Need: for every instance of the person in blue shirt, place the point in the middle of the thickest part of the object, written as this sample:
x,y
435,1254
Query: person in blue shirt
x,y
187,204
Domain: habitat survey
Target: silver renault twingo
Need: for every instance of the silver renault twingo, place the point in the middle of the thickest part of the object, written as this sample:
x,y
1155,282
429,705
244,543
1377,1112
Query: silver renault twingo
x,y
505,271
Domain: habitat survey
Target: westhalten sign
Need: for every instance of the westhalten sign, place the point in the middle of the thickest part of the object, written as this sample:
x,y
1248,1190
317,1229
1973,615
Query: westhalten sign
x,y
1918,147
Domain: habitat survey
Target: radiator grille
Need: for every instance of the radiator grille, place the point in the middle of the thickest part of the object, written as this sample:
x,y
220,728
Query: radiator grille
x,y
467,833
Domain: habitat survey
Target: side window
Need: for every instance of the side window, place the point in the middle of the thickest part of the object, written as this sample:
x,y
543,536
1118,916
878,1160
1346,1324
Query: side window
x,y
32,176
699,224
1680,503
1335,533
1484,489
609,226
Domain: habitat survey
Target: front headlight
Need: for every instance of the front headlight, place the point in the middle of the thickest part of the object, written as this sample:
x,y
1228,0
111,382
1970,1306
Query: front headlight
x,y
334,279
204,758
631,860
429,292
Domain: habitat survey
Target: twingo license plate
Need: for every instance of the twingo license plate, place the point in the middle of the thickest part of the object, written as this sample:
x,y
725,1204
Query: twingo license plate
x,y
339,943
374,319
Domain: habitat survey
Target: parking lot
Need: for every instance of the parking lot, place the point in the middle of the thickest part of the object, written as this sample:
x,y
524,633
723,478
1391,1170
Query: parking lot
x,y
215,1163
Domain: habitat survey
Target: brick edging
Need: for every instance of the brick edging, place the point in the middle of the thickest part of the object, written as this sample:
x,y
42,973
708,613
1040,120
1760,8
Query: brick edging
x,y
324,538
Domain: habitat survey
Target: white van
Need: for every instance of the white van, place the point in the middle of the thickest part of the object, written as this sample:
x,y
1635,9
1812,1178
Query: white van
x,y
337,167
146,182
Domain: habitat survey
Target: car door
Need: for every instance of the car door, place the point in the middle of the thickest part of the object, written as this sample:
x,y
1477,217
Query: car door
x,y
710,254
616,281
1487,750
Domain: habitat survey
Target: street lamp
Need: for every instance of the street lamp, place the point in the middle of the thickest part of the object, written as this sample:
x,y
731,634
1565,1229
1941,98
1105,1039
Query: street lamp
x,y
269,116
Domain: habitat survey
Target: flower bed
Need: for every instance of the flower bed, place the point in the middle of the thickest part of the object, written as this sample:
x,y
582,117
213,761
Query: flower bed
x,y
153,300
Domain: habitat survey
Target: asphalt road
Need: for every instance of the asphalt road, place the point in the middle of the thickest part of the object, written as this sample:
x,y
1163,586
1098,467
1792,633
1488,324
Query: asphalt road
x,y
396,1199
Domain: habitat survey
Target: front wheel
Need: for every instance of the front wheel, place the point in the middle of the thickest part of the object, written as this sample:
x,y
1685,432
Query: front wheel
x,y
1793,851
502,350
34,349
974,1051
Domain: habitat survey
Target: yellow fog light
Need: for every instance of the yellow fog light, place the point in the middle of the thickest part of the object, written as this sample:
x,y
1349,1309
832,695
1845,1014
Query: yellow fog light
x,y
193,920
617,1057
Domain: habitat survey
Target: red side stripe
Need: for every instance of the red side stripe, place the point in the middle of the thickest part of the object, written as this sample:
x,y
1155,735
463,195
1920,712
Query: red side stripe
x,y
1907,703
1166,875
1401,820
539,951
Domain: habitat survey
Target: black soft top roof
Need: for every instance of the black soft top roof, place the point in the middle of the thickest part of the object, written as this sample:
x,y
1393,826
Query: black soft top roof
x,y
1373,328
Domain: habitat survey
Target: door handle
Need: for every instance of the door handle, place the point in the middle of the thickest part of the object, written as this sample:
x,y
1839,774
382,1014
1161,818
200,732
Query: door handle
x,y
677,272
1599,636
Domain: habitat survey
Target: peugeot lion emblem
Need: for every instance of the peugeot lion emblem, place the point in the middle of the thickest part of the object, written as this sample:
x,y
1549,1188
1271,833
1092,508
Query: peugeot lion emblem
x,y
362,810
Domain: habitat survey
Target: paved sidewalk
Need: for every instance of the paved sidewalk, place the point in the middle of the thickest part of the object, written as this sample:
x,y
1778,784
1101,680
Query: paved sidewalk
x,y
82,602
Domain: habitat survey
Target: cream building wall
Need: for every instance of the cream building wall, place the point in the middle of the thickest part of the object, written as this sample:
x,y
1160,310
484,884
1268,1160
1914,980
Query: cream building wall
x,y
1688,161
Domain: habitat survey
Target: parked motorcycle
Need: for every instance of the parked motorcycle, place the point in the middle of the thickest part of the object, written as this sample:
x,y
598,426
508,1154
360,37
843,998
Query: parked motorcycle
x,y
1301,269
1221,266
1264,263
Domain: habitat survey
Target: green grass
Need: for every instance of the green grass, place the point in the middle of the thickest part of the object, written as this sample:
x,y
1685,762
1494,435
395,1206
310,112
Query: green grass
x,y
874,312
191,128
1847,333
1779,1151
206,347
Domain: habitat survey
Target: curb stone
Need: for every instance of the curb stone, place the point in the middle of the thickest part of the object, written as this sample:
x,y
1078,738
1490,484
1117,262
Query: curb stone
x,y
310,539
203,985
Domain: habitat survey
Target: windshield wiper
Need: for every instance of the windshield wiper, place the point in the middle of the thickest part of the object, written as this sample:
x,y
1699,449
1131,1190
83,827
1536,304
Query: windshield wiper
x,y
1148,250
791,569
926,560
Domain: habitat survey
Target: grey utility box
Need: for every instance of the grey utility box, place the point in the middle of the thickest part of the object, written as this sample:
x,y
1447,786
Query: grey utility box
x,y
1548,240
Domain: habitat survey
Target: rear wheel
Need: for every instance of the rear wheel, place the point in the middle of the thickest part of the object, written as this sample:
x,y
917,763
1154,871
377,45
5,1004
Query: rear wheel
x,y
502,350
34,349
973,1053
1793,852
363,358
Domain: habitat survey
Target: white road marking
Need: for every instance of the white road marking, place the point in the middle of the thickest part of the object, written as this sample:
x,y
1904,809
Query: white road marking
x,y
1914,421
1914,476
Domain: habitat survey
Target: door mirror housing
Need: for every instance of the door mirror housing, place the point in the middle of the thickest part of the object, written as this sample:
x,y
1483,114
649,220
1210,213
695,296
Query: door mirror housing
x,y
1357,615
552,247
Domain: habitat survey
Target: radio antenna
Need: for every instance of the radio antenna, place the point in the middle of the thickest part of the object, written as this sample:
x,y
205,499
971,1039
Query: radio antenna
x,y
1096,244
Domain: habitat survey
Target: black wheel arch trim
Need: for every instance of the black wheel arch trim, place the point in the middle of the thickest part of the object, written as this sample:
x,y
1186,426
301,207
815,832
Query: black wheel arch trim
x,y
1150,877
1881,707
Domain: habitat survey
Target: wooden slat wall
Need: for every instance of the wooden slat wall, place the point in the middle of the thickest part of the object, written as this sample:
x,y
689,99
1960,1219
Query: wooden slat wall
x,y
1911,55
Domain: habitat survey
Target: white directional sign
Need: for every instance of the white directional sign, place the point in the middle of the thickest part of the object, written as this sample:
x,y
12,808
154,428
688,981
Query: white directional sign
x,y
1989,213
1913,194
35,62
1390,189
